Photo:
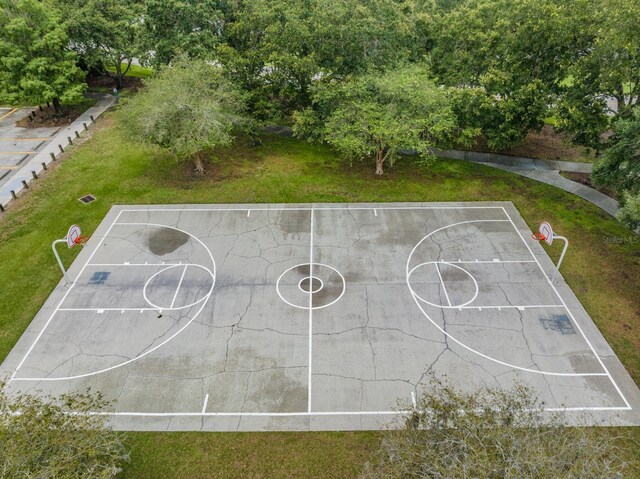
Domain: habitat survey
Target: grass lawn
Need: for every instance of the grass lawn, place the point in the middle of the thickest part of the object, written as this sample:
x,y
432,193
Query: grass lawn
x,y
602,266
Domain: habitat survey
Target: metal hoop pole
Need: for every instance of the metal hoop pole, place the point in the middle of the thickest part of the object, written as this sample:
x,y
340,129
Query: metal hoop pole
x,y
564,250
55,252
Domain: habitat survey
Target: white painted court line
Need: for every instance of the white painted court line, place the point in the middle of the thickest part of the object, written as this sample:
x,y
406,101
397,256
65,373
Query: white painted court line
x,y
101,310
444,288
204,405
475,261
136,264
315,414
13,376
310,314
204,301
319,208
184,271
615,385
418,300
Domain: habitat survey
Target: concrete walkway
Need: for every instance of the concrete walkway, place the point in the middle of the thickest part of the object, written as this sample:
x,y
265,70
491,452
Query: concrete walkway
x,y
32,169
545,171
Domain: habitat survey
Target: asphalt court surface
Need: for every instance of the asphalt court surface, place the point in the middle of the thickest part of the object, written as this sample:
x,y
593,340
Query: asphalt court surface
x,y
314,317
17,144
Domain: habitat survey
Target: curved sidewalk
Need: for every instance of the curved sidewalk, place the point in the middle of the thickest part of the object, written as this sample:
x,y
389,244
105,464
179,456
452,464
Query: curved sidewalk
x,y
545,171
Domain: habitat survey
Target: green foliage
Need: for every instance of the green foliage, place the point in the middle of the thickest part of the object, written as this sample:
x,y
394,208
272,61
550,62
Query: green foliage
x,y
505,57
106,32
619,166
605,64
276,48
186,108
35,65
174,27
378,114
490,433
39,438
629,213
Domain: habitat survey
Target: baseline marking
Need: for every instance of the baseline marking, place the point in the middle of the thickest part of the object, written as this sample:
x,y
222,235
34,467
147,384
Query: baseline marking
x,y
615,385
204,405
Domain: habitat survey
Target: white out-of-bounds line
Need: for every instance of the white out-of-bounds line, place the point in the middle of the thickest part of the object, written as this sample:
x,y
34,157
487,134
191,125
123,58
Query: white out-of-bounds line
x,y
108,309
134,264
33,345
248,414
493,261
317,413
310,316
175,295
204,404
444,288
321,208
615,385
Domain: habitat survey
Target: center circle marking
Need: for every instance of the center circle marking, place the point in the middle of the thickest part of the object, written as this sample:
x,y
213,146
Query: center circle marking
x,y
310,282
306,286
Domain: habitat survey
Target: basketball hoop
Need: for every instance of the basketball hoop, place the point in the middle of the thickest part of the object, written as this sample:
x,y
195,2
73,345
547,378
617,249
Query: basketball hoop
x,y
81,240
73,237
545,233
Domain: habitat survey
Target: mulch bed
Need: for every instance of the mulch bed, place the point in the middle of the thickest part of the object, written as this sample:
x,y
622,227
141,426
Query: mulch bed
x,y
547,144
47,118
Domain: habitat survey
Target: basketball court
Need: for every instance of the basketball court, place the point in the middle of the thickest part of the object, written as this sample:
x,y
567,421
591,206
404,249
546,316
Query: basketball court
x,y
314,317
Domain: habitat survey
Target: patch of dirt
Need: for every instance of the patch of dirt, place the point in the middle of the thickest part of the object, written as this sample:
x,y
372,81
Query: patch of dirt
x,y
105,81
585,179
47,118
547,144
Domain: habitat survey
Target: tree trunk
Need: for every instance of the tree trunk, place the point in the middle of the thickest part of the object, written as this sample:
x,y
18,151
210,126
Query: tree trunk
x,y
119,76
199,163
379,161
56,107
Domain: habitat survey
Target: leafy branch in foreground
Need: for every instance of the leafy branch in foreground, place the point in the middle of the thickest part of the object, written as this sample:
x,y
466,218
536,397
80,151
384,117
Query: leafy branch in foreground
x,y
491,433
39,437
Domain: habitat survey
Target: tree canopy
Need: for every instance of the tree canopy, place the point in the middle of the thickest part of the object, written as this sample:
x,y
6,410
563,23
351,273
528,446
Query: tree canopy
x,y
186,108
35,64
181,27
39,438
490,433
376,115
106,33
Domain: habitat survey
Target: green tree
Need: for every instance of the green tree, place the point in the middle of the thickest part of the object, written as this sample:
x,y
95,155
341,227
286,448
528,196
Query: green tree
x,y
377,115
619,166
40,438
509,56
106,32
276,49
605,66
174,27
186,108
35,64
491,433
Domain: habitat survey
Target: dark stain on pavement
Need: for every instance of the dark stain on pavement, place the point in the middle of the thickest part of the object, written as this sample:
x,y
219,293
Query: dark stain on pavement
x,y
163,241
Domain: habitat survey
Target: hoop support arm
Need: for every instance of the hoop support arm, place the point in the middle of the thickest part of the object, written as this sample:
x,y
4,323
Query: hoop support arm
x,y
55,252
564,250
